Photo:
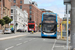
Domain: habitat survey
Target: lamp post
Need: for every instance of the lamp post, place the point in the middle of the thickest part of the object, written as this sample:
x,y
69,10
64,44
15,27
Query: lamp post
x,y
67,25
15,17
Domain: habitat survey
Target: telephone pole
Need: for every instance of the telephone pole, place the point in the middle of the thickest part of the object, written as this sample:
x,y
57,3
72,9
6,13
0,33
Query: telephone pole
x,y
72,24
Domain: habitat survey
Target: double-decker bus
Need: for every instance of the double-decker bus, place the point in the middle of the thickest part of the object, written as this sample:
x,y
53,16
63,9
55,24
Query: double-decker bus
x,y
49,25
31,26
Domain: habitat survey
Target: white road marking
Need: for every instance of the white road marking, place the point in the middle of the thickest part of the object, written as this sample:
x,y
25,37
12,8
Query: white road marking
x,y
9,48
30,39
65,47
18,44
44,39
54,44
59,46
25,41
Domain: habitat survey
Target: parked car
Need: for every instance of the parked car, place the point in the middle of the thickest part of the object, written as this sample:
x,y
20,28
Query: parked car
x,y
23,30
7,30
19,30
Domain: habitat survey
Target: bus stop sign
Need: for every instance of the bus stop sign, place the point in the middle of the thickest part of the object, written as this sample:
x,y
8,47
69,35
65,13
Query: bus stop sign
x,y
67,1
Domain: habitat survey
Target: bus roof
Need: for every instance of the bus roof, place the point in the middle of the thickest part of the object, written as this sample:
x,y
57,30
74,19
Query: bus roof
x,y
31,22
49,13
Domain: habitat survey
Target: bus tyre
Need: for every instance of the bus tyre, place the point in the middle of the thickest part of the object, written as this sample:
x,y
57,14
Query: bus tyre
x,y
42,36
55,37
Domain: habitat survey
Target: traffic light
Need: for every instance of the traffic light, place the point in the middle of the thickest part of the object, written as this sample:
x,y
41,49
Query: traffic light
x,y
16,24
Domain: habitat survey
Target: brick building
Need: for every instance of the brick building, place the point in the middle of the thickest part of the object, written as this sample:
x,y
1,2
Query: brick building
x,y
59,22
43,10
5,8
33,12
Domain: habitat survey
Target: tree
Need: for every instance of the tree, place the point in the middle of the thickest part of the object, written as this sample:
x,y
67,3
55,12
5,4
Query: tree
x,y
7,19
2,22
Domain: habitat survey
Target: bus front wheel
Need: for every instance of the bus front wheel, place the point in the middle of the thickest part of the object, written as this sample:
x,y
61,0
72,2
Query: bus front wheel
x,y
42,36
55,37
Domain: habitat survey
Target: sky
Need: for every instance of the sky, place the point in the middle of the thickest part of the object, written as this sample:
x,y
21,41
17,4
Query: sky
x,y
57,6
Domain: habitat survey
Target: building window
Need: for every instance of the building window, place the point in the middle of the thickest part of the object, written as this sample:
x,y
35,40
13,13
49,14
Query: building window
x,y
11,10
30,12
30,7
20,2
30,16
14,1
12,17
21,7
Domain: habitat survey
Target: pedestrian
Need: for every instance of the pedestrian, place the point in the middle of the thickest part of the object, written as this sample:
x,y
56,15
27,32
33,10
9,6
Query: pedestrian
x,y
69,32
32,31
12,29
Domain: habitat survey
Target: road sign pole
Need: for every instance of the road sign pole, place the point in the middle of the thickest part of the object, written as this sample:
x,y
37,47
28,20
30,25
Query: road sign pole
x,y
67,24
67,2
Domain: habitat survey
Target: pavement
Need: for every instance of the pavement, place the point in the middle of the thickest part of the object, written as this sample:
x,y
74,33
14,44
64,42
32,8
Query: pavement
x,y
28,41
13,34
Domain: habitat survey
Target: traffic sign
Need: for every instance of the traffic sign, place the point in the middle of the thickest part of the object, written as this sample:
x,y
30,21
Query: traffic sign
x,y
67,1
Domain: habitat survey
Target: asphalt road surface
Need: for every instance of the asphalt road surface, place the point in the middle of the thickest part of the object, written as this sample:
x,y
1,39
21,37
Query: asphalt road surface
x,y
32,42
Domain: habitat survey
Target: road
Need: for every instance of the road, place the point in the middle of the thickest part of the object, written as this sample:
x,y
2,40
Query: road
x,y
31,42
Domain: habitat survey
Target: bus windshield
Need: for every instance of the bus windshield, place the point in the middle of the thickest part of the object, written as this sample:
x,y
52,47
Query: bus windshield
x,y
31,26
49,18
49,28
49,23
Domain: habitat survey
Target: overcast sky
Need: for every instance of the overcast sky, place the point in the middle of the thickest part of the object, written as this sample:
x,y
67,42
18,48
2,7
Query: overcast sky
x,y
56,6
